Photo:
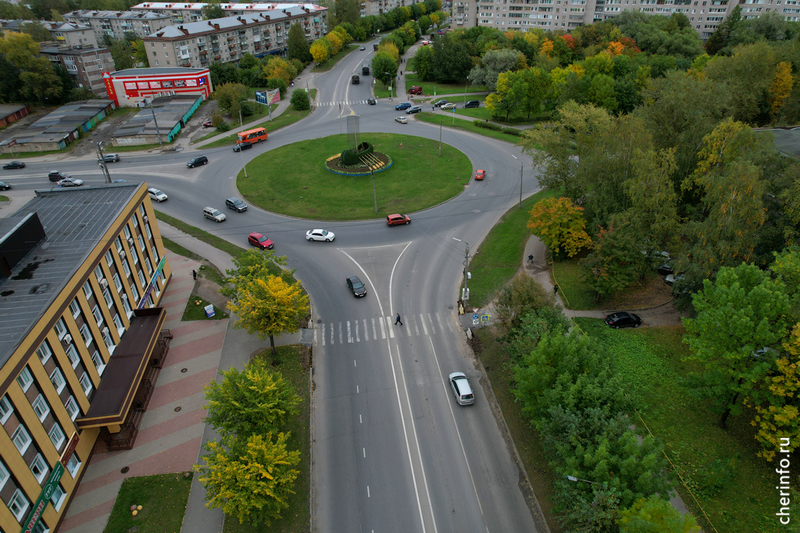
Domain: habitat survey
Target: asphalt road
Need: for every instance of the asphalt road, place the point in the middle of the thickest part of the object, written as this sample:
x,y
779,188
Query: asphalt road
x,y
392,449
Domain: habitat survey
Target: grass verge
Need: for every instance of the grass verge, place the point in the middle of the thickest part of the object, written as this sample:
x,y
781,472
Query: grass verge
x,y
139,147
310,191
465,125
206,270
261,111
296,518
4,198
733,486
163,499
289,116
195,310
429,87
499,257
197,233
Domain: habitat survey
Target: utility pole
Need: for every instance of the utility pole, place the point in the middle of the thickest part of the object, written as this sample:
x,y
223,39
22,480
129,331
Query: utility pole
x,y
241,152
158,132
374,194
520,186
465,290
102,161
440,137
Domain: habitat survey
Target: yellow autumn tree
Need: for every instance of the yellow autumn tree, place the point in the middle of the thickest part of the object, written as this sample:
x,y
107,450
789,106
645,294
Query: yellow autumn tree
x,y
319,51
277,67
781,87
560,225
547,48
615,48
391,49
336,42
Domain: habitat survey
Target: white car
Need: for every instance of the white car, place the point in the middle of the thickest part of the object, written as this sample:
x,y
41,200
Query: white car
x,y
320,235
156,194
401,120
70,182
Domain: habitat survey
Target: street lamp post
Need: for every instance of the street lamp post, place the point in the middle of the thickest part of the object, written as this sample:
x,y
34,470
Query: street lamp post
x,y
520,181
465,290
158,132
102,162
374,193
241,152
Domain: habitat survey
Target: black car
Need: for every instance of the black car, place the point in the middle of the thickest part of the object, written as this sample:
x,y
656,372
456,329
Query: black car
x,y
371,101
4,186
197,161
623,320
472,103
355,285
440,103
665,269
13,164
235,204
55,175
242,146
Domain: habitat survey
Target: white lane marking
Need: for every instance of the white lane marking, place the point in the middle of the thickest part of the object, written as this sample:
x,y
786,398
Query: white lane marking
x,y
439,320
383,328
357,390
416,326
315,334
354,363
433,329
358,339
341,339
349,336
366,331
391,277
368,491
391,327
364,451
422,321
359,420
374,333
369,280
332,334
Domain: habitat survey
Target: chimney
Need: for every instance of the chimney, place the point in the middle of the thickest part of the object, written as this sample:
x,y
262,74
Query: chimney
x,y
184,30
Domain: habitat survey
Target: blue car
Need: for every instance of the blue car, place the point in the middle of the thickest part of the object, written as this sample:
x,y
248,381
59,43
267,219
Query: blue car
x,y
402,105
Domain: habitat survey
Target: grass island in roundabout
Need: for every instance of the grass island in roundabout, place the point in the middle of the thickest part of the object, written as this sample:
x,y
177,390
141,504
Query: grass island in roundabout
x,y
410,175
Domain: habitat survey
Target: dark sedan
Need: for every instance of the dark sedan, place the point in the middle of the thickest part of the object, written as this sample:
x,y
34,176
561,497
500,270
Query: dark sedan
x,y
13,164
623,320
4,186
355,285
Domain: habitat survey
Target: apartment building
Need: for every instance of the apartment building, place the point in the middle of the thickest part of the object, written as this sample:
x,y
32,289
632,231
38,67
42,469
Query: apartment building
x,y
193,12
379,7
67,33
197,44
85,64
81,275
116,24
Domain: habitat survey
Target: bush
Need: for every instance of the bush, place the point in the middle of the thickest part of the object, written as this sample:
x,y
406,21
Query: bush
x,y
487,125
521,297
300,101
278,83
247,109
223,126
297,64
216,119
512,131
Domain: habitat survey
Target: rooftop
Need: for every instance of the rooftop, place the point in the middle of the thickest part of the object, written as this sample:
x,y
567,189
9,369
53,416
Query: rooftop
x,y
74,220
169,111
121,15
226,23
179,6
60,123
156,71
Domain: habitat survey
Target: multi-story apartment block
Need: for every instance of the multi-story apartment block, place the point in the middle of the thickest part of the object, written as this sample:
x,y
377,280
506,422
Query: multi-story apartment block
x,y
379,7
704,15
85,64
193,12
116,24
68,33
197,44
82,272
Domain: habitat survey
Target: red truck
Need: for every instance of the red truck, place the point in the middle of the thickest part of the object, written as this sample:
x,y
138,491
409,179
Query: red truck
x,y
415,90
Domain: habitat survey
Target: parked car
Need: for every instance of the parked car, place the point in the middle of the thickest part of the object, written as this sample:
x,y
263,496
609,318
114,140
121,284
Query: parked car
x,y
213,214
413,109
55,175
671,279
402,105
320,235
208,124
401,120
461,388
414,89
120,181
355,285
11,165
397,219
440,103
371,101
4,186
197,161
260,240
157,194
70,182
480,174
236,204
665,269
111,158
242,146
472,103
449,105
623,320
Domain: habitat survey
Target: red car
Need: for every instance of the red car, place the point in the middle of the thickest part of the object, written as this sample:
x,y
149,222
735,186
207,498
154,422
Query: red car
x,y
257,239
397,219
415,90
480,174
208,124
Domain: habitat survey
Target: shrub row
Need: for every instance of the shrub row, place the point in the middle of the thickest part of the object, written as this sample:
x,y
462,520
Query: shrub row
x,y
497,127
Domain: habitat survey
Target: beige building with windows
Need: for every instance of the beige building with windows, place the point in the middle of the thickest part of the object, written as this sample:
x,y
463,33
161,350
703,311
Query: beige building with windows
x,y
82,272
197,44
66,33
116,24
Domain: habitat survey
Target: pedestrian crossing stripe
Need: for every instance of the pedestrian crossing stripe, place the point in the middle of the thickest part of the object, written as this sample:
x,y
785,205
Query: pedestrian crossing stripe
x,y
349,102
373,329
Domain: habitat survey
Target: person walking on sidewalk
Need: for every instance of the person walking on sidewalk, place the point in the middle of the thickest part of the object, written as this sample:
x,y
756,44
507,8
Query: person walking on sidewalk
x,y
398,320
194,275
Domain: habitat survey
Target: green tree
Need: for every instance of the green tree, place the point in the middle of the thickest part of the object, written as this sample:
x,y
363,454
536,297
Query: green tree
x,y
253,401
346,11
10,83
229,97
521,297
424,23
298,44
38,79
42,8
213,11
37,31
744,310
423,60
384,68
251,479
655,515
11,11
140,54
616,260
493,63
300,100
602,93
451,60
719,39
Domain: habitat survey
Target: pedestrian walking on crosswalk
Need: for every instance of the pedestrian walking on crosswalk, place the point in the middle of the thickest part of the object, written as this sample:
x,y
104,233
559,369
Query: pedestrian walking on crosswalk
x,y
398,320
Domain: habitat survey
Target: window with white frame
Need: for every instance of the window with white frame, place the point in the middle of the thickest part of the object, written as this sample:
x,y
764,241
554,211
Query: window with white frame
x,y
149,265
117,283
118,243
118,324
86,384
108,340
40,407
39,467
98,272
25,379
150,302
40,527
18,504
21,439
44,352
135,220
75,307
147,230
57,437
154,250
141,210
58,380
97,359
109,258
127,231
98,316
141,243
126,268
126,305
135,293
142,280
87,289
135,257
86,334
4,475
5,409
107,297
73,465
73,356
58,497
72,408
61,328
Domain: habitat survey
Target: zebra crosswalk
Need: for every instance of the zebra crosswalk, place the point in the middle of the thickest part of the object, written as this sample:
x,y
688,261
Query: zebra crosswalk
x,y
380,328
348,102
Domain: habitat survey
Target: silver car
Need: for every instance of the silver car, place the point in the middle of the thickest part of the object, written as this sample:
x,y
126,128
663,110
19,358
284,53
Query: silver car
x,y
460,384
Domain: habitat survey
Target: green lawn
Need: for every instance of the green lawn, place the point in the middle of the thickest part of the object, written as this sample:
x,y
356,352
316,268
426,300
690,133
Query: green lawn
x,y
195,310
4,198
296,518
205,271
466,125
567,275
289,116
429,87
500,255
733,486
217,242
163,499
260,112
418,179
382,91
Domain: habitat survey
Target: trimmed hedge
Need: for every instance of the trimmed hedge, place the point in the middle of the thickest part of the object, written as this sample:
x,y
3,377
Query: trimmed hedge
x,y
497,127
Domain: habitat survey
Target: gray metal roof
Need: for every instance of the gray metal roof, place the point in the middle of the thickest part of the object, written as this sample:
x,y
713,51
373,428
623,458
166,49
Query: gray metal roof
x,y
169,111
10,109
156,71
119,15
58,124
74,220
226,23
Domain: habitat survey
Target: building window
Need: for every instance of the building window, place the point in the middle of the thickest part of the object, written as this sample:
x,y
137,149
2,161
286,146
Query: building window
x,y
118,243
4,475
57,498
109,258
135,293
135,257
126,305
5,409
147,230
58,380
97,359
142,281
141,210
126,267
39,467
87,289
86,384
72,408
18,504
98,316
61,328
73,465
98,272
25,379
41,408
21,439
72,354
127,232
86,334
44,352
118,324
149,265
109,300
57,436
117,283
135,221
108,340
141,242
75,308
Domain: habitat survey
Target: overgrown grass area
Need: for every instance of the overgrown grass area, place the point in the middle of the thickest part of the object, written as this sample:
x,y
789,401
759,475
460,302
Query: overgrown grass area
x,y
430,88
331,62
310,191
466,125
206,270
195,310
500,255
217,242
289,116
260,112
733,486
140,147
382,91
163,499
296,518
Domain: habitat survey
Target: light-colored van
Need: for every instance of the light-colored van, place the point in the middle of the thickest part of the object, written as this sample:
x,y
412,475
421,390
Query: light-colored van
x,y
460,384
213,214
